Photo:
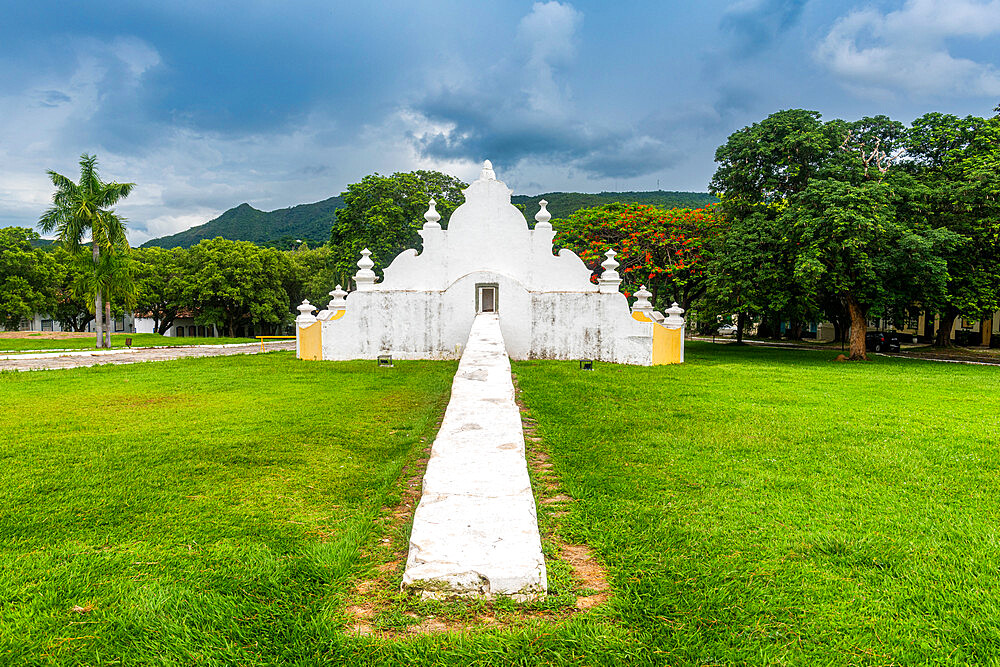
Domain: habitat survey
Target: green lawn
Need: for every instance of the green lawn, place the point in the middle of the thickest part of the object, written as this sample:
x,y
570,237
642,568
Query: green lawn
x,y
37,342
752,506
207,510
767,506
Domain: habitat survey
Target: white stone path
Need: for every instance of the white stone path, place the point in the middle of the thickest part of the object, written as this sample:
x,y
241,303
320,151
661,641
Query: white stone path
x,y
475,530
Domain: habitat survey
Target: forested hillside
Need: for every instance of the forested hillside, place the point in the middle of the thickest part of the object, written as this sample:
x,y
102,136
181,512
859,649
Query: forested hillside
x,y
309,222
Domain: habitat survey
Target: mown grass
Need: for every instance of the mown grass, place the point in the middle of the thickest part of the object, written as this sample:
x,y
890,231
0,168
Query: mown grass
x,y
753,506
763,506
199,511
39,342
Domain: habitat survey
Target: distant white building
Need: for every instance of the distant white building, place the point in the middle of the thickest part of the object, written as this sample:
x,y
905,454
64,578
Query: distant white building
x,y
44,322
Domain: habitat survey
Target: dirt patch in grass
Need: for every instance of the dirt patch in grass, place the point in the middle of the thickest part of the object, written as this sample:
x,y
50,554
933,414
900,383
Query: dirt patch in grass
x,y
378,608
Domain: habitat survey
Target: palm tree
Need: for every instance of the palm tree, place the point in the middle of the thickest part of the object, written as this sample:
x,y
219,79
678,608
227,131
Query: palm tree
x,y
113,278
78,208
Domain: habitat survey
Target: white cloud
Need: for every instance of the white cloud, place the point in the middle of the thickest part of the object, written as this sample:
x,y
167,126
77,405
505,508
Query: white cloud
x,y
906,51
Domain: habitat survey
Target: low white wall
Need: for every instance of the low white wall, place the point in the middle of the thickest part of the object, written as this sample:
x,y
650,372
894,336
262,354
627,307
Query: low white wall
x,y
535,325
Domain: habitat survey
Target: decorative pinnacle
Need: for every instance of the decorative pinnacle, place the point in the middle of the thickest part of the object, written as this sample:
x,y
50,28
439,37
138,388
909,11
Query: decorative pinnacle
x,y
610,264
543,216
609,281
642,300
365,263
487,174
674,319
339,300
305,308
432,216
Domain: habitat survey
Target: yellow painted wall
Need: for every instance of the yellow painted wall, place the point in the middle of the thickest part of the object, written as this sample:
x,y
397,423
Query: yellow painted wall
x,y
311,342
668,344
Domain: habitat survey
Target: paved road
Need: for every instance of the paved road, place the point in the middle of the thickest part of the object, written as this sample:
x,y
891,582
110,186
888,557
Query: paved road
x,y
50,361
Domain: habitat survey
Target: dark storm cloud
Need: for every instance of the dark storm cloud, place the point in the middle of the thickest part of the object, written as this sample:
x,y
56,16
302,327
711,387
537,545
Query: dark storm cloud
x,y
481,126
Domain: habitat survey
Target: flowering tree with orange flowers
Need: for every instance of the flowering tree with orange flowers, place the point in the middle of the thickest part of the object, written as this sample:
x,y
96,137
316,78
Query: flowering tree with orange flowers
x,y
665,250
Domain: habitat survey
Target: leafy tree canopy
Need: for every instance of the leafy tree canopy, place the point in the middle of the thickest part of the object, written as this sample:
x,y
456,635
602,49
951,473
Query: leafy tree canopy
x,y
384,213
666,250
826,215
27,277
235,283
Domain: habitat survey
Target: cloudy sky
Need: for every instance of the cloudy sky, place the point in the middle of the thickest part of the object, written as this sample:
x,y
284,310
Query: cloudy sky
x,y
209,104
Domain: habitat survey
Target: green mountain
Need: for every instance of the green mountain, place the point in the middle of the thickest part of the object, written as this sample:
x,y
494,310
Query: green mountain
x,y
309,222
312,222
562,204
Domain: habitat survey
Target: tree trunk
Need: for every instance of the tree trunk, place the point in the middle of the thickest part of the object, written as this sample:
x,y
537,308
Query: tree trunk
x,y
944,331
107,323
986,331
859,327
795,330
98,303
929,324
741,324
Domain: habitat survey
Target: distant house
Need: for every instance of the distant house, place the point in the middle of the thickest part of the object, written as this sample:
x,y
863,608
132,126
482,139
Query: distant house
x,y
919,328
183,326
44,322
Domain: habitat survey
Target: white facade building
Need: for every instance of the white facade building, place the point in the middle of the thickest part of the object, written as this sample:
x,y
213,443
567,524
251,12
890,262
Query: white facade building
x,y
488,260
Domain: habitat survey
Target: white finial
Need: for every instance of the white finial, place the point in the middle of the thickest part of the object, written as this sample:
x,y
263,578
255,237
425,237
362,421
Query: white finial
x,y
366,260
339,300
432,216
487,174
610,280
642,303
543,216
674,319
610,264
365,278
305,312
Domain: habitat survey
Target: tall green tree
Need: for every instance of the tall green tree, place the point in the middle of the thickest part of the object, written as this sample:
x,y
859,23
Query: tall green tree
x,y
162,276
957,161
28,277
85,209
836,217
760,167
852,242
73,311
384,214
114,279
316,274
236,283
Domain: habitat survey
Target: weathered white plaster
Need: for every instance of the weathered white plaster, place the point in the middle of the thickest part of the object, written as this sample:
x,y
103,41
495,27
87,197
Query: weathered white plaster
x,y
475,531
548,307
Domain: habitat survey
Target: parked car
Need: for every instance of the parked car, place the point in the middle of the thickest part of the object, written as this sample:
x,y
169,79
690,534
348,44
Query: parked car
x,y
882,341
726,330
